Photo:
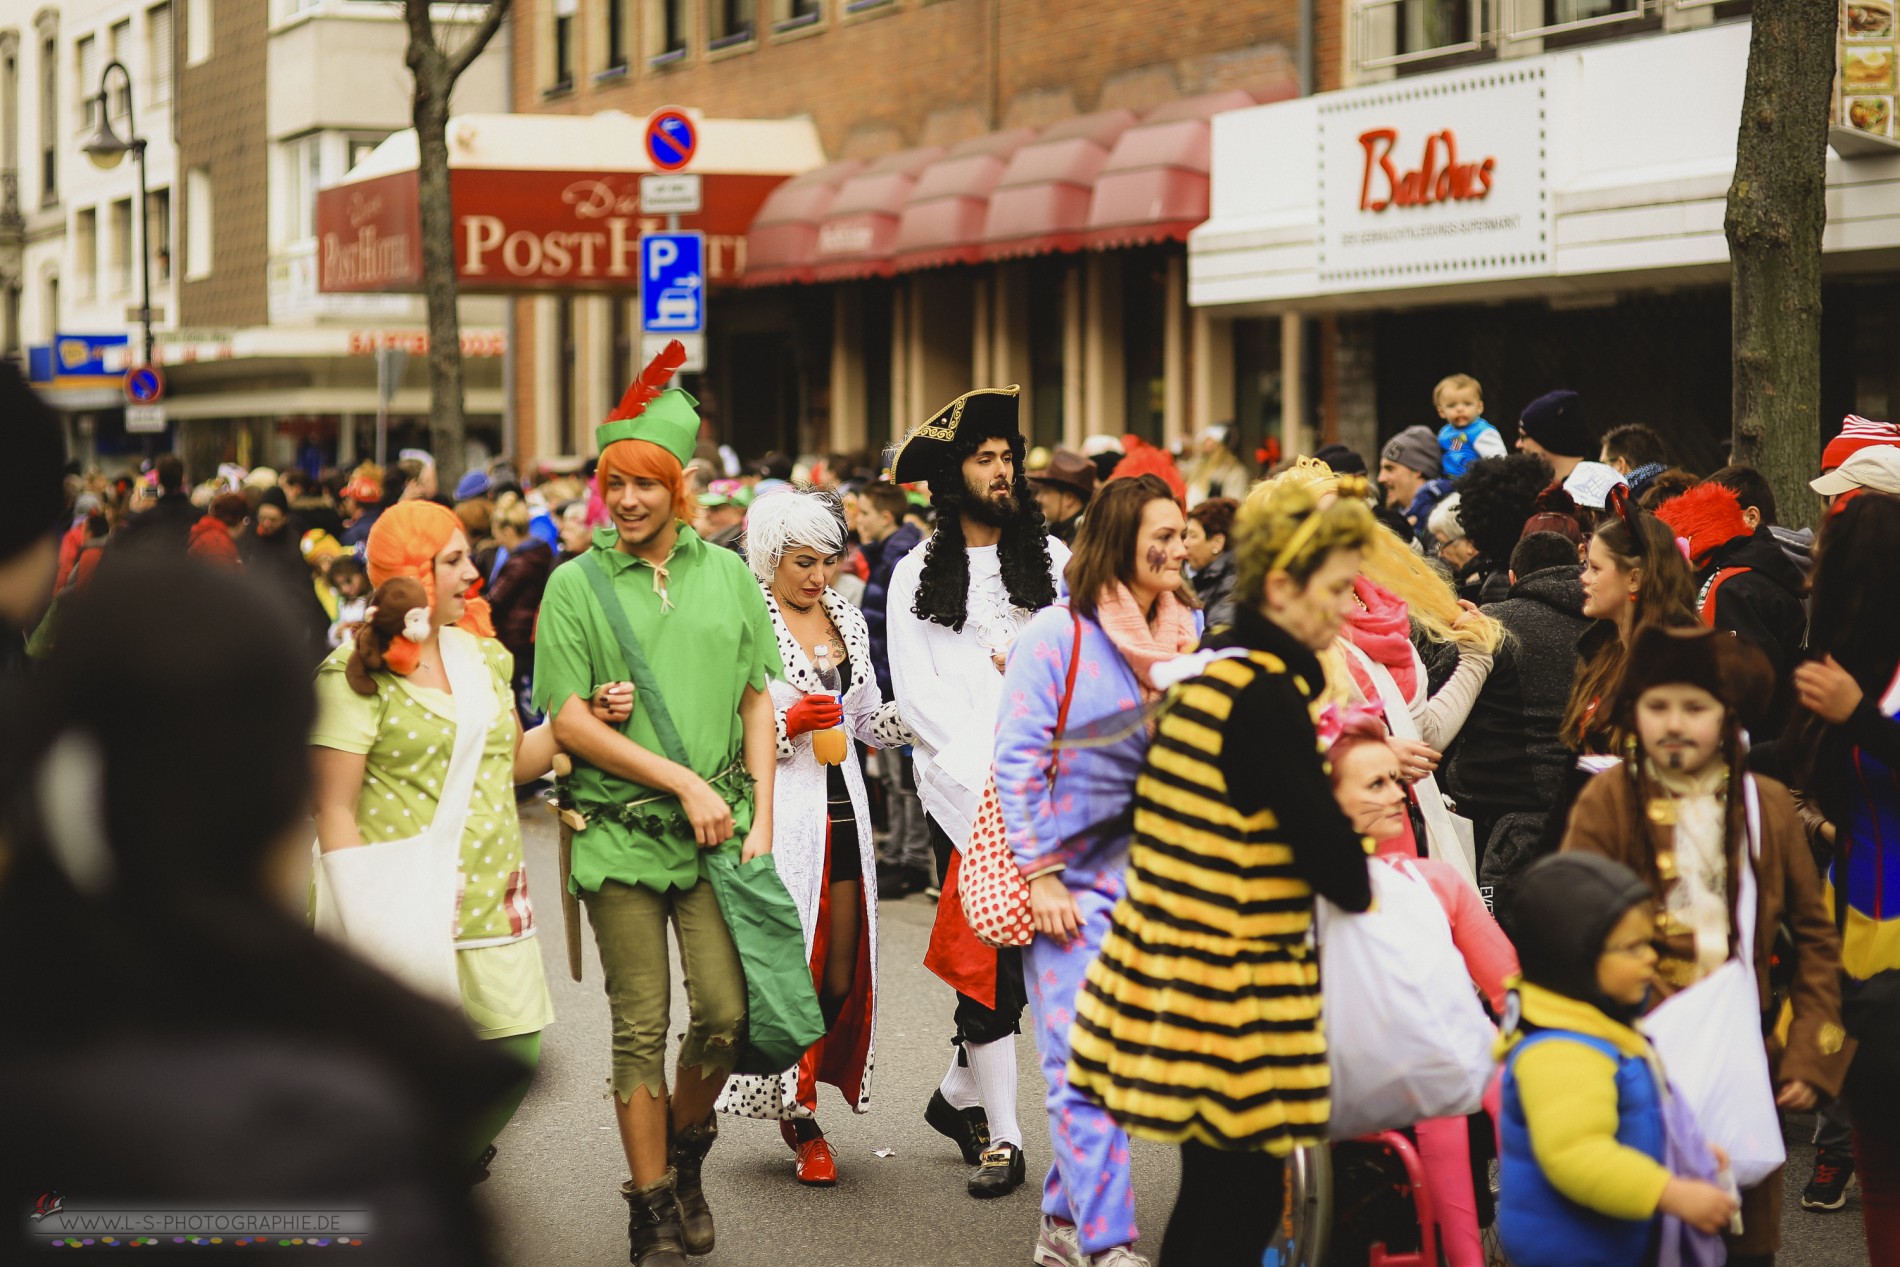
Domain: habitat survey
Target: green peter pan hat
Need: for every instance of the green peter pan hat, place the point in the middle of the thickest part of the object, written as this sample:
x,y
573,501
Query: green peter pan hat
x,y
653,412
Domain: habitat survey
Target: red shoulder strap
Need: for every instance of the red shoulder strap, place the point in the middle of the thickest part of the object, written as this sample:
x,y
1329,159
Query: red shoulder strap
x,y
1068,693
1708,598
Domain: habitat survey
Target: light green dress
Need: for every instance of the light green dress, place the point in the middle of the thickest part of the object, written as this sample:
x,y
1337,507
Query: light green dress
x,y
406,733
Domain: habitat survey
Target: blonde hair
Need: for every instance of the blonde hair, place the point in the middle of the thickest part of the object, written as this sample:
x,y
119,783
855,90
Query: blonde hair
x,y
1387,560
511,512
1287,526
1456,382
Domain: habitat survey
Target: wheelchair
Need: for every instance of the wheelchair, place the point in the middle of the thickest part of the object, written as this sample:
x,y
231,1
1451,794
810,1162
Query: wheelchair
x,y
1367,1202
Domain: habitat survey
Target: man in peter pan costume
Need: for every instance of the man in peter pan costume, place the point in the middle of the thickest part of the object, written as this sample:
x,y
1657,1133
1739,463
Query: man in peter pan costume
x,y
685,622
957,603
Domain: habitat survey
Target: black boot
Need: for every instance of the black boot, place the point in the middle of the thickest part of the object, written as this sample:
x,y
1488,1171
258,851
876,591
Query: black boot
x,y
686,1156
653,1223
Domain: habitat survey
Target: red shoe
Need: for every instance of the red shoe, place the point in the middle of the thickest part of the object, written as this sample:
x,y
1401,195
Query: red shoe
x,y
816,1167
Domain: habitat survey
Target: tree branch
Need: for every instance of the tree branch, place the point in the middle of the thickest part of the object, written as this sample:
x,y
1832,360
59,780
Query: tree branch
x,y
465,56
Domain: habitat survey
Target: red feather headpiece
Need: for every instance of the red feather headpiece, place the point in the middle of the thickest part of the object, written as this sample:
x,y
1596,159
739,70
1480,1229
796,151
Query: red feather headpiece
x,y
652,381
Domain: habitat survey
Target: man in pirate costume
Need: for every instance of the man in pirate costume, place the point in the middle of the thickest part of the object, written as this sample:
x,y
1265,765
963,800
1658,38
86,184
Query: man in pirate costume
x,y
691,772
957,603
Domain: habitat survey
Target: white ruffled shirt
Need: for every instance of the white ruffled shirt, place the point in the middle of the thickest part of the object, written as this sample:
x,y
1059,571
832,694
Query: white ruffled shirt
x,y
947,687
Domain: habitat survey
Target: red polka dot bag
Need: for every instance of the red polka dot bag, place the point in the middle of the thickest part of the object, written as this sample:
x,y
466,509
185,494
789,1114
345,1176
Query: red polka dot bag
x,y
994,894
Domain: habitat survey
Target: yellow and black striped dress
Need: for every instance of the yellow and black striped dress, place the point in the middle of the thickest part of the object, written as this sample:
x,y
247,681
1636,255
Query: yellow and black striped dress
x,y
1200,1019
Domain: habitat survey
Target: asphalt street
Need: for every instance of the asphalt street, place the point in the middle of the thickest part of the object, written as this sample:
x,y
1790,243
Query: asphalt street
x,y
554,1195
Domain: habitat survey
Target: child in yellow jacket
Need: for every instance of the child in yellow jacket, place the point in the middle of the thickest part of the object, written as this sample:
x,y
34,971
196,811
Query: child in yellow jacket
x,y
1589,1127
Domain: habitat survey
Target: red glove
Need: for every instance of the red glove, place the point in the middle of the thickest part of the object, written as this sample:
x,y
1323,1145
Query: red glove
x,y
813,712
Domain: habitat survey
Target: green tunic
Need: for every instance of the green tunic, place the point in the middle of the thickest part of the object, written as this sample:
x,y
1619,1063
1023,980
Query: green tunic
x,y
706,634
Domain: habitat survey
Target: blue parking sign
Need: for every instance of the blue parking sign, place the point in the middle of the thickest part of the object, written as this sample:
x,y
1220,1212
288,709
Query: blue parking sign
x,y
673,282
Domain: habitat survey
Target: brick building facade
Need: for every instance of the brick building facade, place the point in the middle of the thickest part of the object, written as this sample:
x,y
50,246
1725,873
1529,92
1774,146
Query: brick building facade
x,y
1101,337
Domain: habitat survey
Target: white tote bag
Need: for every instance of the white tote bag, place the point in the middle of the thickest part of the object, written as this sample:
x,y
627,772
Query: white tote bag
x,y
1405,1035
393,904
1449,837
1710,1039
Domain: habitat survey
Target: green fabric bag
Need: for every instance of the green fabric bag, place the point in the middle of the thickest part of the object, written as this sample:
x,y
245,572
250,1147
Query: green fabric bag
x,y
782,1014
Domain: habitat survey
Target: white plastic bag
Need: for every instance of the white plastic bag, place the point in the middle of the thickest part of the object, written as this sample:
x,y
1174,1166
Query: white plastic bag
x,y
1710,1040
1405,1035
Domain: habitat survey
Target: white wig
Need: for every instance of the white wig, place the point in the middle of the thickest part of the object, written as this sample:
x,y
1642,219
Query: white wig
x,y
1445,518
781,520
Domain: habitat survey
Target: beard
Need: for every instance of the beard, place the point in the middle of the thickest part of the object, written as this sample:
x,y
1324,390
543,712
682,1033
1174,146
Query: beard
x,y
995,508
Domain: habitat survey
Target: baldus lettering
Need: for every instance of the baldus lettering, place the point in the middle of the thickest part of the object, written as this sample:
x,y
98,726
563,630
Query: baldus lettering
x,y
1439,177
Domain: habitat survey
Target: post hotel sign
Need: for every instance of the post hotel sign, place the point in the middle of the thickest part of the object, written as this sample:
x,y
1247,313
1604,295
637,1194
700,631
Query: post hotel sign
x,y
1435,181
522,230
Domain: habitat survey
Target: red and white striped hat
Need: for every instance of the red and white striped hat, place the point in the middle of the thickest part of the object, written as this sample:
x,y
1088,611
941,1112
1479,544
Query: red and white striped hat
x,y
1857,433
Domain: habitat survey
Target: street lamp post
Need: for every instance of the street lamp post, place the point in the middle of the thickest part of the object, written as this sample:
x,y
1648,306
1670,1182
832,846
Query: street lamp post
x,y
107,149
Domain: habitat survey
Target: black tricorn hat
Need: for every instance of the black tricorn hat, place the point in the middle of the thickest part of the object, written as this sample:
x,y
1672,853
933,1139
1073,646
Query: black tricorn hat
x,y
953,432
1731,669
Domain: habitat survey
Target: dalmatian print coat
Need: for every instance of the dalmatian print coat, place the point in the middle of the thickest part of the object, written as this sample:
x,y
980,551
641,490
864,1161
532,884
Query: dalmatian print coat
x,y
800,804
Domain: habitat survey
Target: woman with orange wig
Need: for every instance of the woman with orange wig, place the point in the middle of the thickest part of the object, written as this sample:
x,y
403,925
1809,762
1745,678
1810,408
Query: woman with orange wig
x,y
384,770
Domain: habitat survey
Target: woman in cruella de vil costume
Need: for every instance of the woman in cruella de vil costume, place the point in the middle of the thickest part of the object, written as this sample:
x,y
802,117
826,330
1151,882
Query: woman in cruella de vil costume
x,y
821,816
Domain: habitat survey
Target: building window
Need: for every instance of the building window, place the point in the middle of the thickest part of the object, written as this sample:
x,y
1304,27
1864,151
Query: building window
x,y
360,147
666,31
85,251
563,43
616,17
300,172
158,51
1572,12
197,31
49,123
792,15
197,223
86,68
51,299
158,233
118,49
119,247
731,22
1393,32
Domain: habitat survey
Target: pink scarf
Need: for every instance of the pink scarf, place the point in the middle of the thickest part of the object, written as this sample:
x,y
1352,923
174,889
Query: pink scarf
x,y
1144,643
1384,632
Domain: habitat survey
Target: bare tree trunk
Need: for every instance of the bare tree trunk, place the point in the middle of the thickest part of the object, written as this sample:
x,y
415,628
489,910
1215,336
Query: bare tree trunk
x,y
436,71
1777,209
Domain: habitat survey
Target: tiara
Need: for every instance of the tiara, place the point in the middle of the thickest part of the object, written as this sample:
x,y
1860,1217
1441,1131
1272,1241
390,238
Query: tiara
x,y
1344,486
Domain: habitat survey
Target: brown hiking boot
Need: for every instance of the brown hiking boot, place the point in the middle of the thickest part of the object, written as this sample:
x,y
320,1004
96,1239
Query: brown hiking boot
x,y
687,1156
653,1223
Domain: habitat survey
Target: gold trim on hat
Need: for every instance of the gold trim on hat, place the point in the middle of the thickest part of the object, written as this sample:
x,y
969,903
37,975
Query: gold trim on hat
x,y
947,433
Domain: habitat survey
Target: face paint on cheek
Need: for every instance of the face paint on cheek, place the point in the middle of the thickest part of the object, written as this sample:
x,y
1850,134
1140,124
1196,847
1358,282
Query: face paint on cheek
x,y
1157,559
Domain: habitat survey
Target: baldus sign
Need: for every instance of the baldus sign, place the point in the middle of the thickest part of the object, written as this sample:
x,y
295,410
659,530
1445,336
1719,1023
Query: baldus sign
x,y
1439,177
1434,180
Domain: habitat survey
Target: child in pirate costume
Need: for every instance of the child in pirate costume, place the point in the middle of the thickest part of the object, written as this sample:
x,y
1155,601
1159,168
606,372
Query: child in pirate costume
x,y
692,772
957,603
1676,812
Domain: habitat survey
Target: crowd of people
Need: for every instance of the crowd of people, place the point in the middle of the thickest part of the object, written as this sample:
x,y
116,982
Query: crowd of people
x,y
1160,718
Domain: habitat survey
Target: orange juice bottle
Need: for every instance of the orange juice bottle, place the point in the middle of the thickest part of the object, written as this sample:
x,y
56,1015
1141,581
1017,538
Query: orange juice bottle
x,y
831,747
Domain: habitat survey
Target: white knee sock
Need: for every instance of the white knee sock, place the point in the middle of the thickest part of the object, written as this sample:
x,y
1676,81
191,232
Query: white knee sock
x,y
959,1085
995,1068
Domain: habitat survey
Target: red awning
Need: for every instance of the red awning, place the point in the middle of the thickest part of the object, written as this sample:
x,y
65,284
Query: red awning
x,y
855,239
784,235
943,221
1042,202
1153,188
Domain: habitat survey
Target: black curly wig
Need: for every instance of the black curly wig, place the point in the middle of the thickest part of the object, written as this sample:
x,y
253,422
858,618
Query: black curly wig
x,y
943,591
1496,496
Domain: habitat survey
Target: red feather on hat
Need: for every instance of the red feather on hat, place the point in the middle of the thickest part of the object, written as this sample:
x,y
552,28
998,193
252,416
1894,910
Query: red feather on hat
x,y
652,381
